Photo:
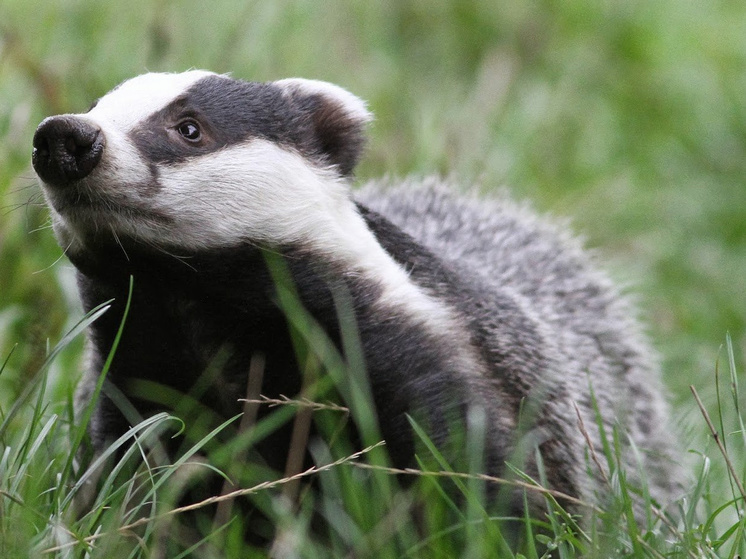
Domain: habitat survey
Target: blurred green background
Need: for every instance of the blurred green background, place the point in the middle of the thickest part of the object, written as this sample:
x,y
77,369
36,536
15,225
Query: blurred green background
x,y
628,116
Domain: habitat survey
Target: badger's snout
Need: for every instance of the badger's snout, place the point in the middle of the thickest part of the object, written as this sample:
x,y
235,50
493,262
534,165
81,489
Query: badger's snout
x,y
66,149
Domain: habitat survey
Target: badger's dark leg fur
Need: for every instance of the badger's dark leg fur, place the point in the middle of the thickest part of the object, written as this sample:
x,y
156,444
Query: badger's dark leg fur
x,y
183,314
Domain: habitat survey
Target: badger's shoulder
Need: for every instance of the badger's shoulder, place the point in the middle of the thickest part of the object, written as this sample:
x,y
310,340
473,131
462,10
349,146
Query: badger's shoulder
x,y
505,247
506,244
503,237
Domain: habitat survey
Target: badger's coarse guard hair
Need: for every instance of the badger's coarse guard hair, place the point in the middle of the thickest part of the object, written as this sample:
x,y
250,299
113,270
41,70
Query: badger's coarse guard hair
x,y
184,180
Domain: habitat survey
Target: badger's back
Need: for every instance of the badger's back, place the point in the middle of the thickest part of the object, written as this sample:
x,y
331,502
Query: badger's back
x,y
588,329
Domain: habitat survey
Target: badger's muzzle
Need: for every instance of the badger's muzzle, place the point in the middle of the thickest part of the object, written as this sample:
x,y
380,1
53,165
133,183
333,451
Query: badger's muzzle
x,y
66,149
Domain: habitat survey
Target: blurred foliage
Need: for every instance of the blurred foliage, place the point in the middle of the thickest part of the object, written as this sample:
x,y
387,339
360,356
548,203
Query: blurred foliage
x,y
628,116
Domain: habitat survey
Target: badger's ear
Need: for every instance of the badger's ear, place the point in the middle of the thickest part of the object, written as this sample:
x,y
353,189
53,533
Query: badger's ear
x,y
336,117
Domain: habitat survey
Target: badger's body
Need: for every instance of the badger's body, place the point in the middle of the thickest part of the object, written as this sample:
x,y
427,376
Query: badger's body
x,y
195,184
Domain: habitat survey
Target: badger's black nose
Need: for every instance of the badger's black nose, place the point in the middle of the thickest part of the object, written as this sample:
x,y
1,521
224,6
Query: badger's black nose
x,y
66,149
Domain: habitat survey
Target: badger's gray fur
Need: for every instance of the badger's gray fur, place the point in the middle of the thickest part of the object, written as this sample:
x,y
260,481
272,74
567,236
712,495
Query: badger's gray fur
x,y
560,322
187,181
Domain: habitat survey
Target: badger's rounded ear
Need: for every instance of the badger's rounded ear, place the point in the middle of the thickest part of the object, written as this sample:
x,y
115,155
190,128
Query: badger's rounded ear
x,y
337,119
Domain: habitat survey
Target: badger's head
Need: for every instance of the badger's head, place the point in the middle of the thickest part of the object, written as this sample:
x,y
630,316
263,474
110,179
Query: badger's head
x,y
199,160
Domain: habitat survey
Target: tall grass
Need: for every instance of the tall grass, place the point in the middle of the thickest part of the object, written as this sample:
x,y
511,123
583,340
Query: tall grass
x,y
56,501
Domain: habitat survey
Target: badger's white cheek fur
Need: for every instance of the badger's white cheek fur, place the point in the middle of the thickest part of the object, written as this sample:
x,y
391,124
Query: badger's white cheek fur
x,y
255,191
121,169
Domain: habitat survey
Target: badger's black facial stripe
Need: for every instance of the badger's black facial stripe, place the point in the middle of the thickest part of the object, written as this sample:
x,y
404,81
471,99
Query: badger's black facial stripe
x,y
227,111
230,112
242,110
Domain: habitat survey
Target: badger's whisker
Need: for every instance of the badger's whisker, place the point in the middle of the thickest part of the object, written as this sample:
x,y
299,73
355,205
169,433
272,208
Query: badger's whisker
x,y
119,243
53,264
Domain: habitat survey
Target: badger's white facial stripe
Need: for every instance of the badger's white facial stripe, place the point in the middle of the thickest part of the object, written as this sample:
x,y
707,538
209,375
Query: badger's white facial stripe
x,y
136,99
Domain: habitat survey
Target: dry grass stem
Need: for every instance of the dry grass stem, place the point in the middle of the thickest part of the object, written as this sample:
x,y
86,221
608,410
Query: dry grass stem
x,y
716,436
301,402
301,432
250,412
124,530
587,437
481,477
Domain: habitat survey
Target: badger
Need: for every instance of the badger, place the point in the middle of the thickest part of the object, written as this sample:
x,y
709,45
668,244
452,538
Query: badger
x,y
192,183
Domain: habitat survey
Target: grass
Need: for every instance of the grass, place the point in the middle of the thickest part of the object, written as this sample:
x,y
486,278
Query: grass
x,y
129,502
626,116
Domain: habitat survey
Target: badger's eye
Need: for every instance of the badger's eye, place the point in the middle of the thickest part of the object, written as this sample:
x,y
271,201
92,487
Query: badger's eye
x,y
189,130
